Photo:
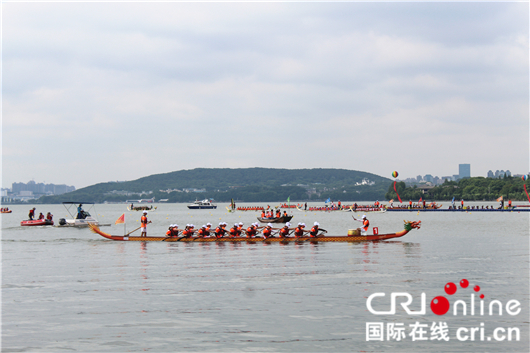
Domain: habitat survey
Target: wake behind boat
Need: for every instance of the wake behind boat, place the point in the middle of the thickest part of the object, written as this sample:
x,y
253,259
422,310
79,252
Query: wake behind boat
x,y
349,239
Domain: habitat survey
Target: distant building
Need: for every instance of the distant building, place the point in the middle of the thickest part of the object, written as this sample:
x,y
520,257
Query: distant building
x,y
32,190
508,173
499,173
419,178
490,174
428,178
464,171
448,178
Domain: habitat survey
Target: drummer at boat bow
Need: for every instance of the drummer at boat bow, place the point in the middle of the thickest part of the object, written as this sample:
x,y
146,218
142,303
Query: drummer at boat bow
x,y
365,222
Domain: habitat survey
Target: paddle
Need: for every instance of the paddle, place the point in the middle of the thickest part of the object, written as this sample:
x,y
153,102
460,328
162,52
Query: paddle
x,y
132,231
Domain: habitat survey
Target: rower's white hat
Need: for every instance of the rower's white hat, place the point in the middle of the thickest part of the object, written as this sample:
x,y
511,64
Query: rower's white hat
x,y
192,226
175,225
364,216
208,224
299,223
236,224
220,223
145,212
316,224
303,224
287,224
240,223
269,224
171,226
203,226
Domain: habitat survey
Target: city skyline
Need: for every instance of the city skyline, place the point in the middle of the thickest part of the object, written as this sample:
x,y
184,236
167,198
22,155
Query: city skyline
x,y
97,92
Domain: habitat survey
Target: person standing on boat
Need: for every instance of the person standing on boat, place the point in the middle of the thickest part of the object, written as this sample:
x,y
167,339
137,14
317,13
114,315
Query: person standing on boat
x,y
143,224
365,222
462,203
80,211
31,213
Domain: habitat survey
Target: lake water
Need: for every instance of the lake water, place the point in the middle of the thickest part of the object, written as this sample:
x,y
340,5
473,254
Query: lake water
x,y
67,289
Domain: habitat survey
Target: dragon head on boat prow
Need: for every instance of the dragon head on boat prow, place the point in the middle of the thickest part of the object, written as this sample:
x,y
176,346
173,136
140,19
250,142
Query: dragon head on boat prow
x,y
412,225
95,229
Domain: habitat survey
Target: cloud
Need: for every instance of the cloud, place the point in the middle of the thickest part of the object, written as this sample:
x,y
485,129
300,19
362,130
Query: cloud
x,y
290,85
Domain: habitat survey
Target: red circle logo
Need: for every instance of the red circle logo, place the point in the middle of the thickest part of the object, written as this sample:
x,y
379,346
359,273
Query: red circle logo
x,y
440,305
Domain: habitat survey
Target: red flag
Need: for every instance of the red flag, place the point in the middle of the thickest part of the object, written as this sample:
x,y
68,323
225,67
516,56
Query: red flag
x,y
420,199
499,199
121,219
526,192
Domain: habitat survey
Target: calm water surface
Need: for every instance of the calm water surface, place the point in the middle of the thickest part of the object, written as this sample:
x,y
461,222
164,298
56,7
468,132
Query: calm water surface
x,y
71,290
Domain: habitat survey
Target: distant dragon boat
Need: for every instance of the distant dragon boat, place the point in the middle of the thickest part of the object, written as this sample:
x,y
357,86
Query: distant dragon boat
x,y
513,209
353,238
141,208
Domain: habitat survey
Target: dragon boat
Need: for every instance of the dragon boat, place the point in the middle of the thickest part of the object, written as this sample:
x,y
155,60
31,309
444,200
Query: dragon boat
x,y
348,239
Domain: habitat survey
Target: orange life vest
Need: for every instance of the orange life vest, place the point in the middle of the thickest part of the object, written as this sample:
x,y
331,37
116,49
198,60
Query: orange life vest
x,y
298,231
366,223
143,220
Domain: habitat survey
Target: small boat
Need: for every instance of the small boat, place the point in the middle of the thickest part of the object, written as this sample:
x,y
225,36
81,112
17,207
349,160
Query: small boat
x,y
349,239
204,204
36,222
78,220
8,211
281,219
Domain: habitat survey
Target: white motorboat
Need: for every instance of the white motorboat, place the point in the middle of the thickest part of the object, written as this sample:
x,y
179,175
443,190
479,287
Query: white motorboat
x,y
204,204
80,217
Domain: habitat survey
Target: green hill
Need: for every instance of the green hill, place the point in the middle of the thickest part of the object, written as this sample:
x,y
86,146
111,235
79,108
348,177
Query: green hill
x,y
248,184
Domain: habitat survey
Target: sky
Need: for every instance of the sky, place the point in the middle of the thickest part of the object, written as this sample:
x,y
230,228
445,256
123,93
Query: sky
x,y
98,92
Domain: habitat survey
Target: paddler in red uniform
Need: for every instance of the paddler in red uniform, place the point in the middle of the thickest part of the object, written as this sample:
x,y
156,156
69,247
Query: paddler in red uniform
x,y
314,231
284,231
173,231
49,216
188,232
220,230
208,227
267,232
41,216
239,229
251,231
299,231
233,231
143,224
365,222
203,232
